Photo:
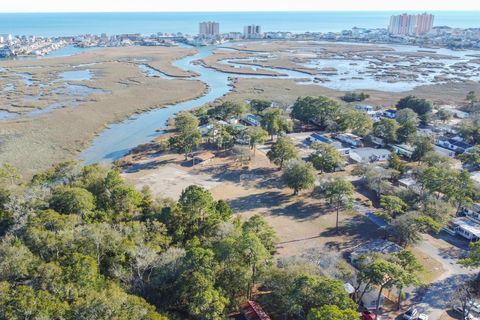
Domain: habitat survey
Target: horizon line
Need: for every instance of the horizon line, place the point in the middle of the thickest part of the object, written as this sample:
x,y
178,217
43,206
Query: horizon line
x,y
245,11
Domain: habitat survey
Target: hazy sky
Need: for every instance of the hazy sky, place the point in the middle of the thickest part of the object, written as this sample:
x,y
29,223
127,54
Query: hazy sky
x,y
232,5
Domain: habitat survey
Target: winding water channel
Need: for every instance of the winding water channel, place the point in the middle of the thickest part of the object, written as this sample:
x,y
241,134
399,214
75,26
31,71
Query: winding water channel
x,y
120,138
117,140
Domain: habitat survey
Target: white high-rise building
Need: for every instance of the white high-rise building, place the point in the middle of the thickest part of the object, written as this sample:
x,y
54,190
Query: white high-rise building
x,y
409,24
252,32
6,38
209,28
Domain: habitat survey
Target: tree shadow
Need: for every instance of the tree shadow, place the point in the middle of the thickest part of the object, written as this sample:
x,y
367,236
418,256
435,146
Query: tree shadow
x,y
455,241
301,210
452,253
256,201
439,295
145,166
364,191
358,229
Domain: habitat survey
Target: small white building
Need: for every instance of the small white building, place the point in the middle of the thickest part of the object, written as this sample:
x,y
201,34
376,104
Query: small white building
x,y
403,150
370,110
390,113
350,139
468,226
443,151
464,227
453,144
369,155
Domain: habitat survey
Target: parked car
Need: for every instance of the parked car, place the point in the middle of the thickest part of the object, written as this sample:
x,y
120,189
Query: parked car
x,y
369,315
422,316
411,314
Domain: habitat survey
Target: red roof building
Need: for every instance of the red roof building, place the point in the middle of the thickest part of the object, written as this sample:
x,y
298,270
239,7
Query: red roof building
x,y
251,310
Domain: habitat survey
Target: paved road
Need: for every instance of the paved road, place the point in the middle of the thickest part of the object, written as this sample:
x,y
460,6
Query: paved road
x,y
438,297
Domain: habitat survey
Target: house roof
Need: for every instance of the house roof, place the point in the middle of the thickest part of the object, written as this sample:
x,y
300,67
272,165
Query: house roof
x,y
404,147
253,311
459,144
377,245
369,152
321,138
468,225
349,135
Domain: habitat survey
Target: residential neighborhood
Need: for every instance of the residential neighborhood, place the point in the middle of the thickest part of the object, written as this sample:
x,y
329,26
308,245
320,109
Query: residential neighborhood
x,y
405,162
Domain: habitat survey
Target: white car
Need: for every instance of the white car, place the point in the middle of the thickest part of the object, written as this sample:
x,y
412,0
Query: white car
x,y
422,316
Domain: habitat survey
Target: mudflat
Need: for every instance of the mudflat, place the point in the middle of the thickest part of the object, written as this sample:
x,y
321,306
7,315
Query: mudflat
x,y
60,104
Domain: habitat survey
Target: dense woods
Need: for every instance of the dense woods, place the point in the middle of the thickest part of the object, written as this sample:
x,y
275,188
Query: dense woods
x,y
81,243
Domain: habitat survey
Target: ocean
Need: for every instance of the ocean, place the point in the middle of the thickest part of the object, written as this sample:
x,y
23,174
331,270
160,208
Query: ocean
x,y
67,24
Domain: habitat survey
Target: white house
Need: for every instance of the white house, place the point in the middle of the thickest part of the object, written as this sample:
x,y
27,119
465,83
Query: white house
x,y
390,113
369,155
468,226
350,139
473,212
252,120
403,150
453,144
464,227
377,141
444,151
370,110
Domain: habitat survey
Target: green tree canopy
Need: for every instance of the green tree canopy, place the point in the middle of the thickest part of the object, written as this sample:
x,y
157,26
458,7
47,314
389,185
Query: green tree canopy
x,y
421,106
386,129
321,110
299,175
256,136
72,200
188,135
260,104
392,205
329,312
274,121
339,192
282,150
326,158
471,157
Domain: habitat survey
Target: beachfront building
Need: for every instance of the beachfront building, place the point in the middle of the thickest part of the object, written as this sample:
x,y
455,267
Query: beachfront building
x,y
409,24
209,29
6,38
424,23
252,32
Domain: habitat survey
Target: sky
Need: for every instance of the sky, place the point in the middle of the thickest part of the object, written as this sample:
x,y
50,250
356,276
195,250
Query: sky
x,y
232,5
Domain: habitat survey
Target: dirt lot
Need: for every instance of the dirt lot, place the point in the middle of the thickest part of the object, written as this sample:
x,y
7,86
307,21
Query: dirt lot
x,y
302,222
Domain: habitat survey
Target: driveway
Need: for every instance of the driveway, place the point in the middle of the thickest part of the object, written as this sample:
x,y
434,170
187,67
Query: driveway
x,y
445,249
438,296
